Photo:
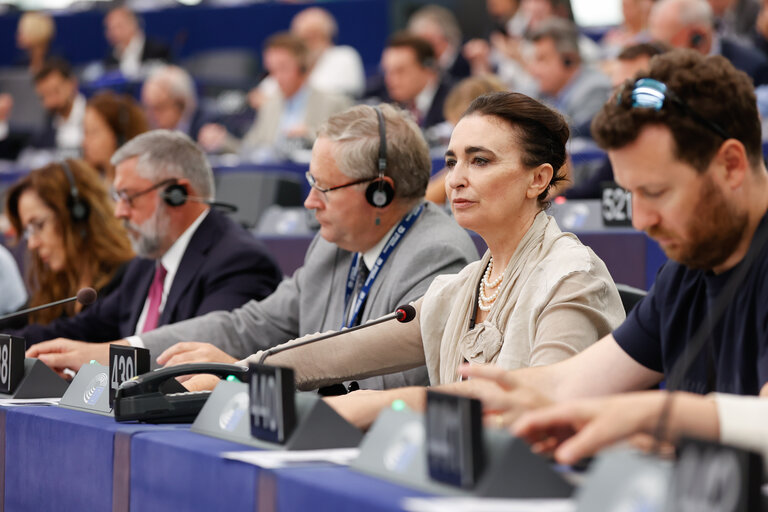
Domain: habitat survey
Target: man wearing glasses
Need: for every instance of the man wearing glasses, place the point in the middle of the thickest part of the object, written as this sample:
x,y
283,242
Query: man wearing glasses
x,y
380,245
684,139
191,260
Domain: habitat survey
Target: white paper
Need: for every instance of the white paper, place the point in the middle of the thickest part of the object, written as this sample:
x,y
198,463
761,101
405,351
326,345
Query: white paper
x,y
282,458
16,402
465,504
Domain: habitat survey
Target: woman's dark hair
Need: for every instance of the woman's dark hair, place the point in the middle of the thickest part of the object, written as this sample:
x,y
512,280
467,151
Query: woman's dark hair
x,y
94,247
541,132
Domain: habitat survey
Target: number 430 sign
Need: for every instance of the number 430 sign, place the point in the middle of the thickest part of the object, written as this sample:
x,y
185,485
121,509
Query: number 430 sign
x,y
124,364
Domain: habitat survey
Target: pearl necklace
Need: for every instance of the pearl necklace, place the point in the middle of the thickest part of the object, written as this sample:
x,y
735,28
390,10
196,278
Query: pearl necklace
x,y
485,302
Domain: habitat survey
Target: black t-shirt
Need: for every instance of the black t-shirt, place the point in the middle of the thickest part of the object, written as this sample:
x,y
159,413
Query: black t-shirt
x,y
735,359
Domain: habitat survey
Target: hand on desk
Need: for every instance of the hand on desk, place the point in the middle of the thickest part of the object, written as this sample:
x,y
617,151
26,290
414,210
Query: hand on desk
x,y
62,353
193,352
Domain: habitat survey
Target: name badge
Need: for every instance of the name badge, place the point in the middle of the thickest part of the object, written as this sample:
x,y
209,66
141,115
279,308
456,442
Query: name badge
x,y
124,364
454,439
273,402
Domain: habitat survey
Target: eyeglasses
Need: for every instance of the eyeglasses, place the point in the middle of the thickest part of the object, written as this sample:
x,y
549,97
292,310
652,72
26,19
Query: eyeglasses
x,y
313,183
35,227
123,195
651,93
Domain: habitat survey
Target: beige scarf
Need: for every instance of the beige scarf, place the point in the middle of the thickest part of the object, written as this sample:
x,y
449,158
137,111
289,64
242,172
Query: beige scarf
x,y
483,343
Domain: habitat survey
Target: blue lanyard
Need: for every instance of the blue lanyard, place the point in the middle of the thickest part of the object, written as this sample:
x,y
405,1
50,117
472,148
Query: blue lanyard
x,y
354,269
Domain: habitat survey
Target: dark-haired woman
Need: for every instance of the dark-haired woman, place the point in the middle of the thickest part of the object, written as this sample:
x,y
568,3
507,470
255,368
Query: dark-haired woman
x,y
69,247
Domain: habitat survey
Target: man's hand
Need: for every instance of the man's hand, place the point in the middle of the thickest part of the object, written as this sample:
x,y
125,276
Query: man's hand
x,y
212,136
193,352
202,382
61,353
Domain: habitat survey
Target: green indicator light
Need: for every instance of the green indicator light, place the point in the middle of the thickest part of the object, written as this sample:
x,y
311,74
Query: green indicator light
x,y
232,378
399,405
93,361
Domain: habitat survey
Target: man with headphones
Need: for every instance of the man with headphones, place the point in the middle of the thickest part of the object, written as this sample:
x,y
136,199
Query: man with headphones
x,y
565,83
190,259
290,116
412,78
380,245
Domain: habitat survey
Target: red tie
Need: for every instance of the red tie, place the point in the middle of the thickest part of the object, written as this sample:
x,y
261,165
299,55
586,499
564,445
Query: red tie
x,y
155,298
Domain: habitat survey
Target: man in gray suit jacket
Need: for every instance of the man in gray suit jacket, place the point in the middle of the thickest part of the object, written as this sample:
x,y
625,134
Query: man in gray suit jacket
x,y
367,216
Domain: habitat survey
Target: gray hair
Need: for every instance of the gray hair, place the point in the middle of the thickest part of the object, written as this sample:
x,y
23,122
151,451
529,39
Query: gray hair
x,y
167,154
693,12
179,85
357,132
563,32
442,18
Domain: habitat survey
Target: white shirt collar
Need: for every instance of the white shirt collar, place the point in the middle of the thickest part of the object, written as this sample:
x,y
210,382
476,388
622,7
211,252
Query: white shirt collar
x,y
69,131
371,255
424,99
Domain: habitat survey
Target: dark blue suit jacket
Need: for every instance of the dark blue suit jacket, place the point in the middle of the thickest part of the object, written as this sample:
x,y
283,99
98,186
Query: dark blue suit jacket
x,y
223,267
749,60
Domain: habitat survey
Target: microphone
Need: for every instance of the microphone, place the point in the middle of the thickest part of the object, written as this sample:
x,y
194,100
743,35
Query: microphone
x,y
402,314
85,296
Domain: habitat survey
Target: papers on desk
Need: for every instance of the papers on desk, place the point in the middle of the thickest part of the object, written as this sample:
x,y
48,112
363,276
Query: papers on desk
x,y
458,504
283,458
16,402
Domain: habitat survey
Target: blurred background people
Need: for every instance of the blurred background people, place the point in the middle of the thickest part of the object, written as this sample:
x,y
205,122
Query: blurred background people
x,y
130,47
169,99
634,28
288,119
110,121
34,34
65,216
14,294
439,27
57,87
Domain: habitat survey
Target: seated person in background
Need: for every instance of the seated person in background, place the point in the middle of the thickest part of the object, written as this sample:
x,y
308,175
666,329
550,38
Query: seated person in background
x,y
69,246
700,187
633,29
689,24
412,78
130,47
565,83
457,101
170,101
34,34
110,121
438,25
14,292
334,69
191,260
580,428
537,296
353,233
632,60
288,119
56,85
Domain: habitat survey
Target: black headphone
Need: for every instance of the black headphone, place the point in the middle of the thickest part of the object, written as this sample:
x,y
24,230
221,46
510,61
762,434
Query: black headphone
x,y
380,192
177,194
697,39
78,209
568,61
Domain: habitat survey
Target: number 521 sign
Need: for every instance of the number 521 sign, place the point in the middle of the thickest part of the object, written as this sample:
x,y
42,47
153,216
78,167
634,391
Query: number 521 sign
x,y
124,364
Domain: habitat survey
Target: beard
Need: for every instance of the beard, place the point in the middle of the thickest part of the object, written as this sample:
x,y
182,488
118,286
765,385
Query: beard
x,y
714,231
148,239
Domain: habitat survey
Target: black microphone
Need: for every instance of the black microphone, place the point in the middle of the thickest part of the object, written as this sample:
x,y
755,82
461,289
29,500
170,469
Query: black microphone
x,y
402,314
85,296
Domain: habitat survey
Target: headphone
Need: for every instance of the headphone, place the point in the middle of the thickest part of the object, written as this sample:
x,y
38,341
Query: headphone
x,y
380,192
177,195
697,39
78,209
568,61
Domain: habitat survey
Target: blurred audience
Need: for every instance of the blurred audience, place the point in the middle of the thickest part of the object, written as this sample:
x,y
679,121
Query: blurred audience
x,y
412,78
56,85
111,120
634,28
169,99
14,292
439,27
64,214
34,34
689,24
288,119
735,18
565,82
130,47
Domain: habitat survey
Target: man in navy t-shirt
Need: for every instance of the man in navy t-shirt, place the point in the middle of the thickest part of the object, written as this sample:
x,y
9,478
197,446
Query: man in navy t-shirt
x,y
684,139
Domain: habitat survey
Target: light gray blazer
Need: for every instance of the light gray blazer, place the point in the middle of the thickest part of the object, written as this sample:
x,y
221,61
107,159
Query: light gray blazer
x,y
312,300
